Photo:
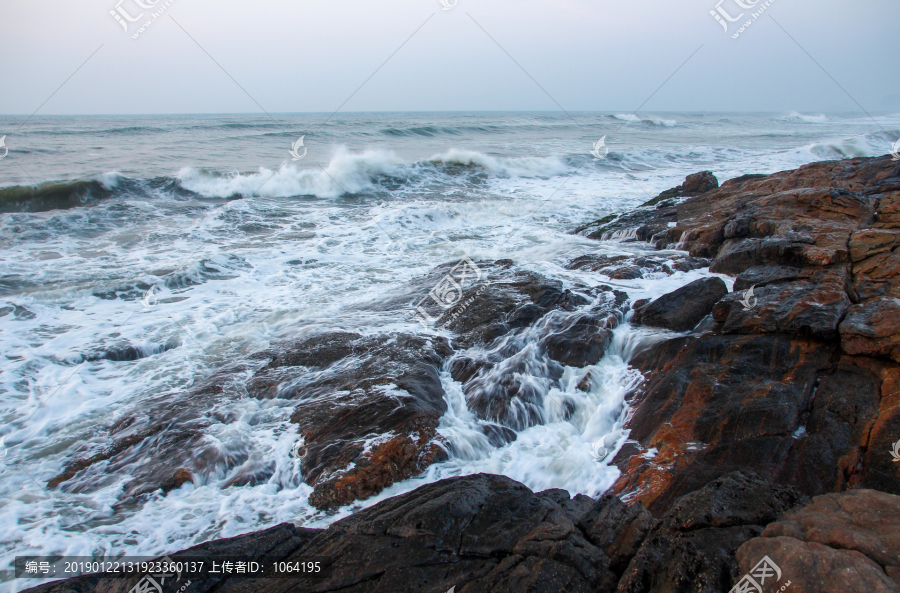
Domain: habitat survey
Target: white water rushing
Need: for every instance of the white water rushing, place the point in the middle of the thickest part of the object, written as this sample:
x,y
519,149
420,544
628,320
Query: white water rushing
x,y
244,250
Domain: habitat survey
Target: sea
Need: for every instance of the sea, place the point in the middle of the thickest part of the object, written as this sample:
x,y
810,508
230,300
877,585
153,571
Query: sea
x,y
185,242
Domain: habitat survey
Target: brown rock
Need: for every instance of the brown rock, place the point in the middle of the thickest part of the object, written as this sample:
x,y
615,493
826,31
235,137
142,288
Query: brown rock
x,y
888,215
838,542
867,521
814,568
716,404
699,183
181,477
868,242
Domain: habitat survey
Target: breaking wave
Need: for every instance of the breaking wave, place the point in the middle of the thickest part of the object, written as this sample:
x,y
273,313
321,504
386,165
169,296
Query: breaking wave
x,y
353,173
864,145
58,195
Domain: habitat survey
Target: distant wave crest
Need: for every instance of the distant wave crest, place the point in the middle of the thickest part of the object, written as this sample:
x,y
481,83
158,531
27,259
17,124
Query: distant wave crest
x,y
809,119
653,121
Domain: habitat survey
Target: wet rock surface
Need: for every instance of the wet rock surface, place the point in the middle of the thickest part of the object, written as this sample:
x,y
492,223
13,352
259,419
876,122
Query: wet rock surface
x,y
486,533
368,406
796,379
682,309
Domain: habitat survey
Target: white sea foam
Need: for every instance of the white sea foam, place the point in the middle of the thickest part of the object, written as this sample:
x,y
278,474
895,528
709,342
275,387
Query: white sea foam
x,y
863,145
346,173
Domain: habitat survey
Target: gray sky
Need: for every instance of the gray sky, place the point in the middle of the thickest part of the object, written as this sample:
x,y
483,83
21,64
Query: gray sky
x,y
305,55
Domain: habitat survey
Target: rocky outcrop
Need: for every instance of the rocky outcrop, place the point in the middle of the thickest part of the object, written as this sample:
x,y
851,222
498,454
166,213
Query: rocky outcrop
x,y
797,379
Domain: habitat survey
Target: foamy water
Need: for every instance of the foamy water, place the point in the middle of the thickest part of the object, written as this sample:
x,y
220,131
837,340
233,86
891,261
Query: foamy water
x,y
243,247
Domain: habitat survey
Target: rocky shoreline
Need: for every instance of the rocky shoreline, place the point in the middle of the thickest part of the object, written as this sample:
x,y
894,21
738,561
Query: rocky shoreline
x,y
762,429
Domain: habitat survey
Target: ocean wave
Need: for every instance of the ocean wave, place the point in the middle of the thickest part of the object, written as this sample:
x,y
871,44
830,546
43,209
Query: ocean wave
x,y
353,173
58,195
864,145
653,121
346,173
99,131
809,119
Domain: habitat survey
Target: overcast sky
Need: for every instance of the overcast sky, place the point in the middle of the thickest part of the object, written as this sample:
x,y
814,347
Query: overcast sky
x,y
311,55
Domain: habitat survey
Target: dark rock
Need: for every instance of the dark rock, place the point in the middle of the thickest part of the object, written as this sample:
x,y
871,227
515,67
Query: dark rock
x,y
716,404
266,546
692,546
682,309
582,342
763,275
735,499
791,410
617,529
690,263
498,435
805,308
477,533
